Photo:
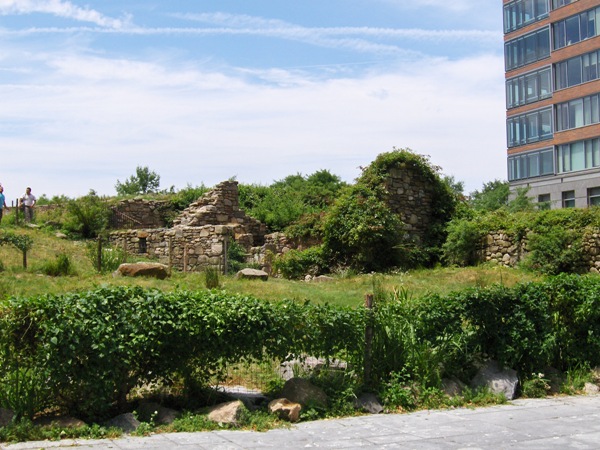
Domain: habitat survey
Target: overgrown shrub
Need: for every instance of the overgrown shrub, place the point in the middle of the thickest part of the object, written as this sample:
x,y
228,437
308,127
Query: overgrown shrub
x,y
287,201
87,216
110,257
555,236
463,243
90,349
236,257
60,266
296,264
361,232
555,250
212,280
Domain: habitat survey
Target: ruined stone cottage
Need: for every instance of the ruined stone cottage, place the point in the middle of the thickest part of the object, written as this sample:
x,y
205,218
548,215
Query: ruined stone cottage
x,y
200,234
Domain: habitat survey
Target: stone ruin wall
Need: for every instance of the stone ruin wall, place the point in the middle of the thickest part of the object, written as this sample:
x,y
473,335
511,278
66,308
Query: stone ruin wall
x,y
501,248
200,234
187,249
221,207
139,213
411,198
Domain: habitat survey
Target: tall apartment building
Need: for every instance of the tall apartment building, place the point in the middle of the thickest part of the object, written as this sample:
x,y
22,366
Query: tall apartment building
x,y
552,63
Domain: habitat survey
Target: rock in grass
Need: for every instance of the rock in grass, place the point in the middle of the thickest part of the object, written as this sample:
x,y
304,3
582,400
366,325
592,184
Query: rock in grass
x,y
229,413
285,410
252,274
143,269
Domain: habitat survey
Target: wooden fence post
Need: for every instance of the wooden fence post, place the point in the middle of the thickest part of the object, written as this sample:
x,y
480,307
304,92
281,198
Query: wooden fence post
x,y
99,255
368,340
225,262
16,212
170,254
185,258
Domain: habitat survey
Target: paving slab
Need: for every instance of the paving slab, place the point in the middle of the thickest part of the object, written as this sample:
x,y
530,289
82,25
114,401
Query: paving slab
x,y
545,424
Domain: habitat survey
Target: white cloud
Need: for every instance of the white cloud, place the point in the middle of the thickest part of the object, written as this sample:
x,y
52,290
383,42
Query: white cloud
x,y
454,5
88,121
59,8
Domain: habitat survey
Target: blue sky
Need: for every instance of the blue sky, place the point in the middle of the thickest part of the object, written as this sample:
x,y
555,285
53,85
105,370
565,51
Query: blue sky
x,y
202,91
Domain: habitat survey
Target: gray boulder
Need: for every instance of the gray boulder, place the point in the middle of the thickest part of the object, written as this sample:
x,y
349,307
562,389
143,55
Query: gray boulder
x,y
155,413
285,409
6,416
369,403
452,386
61,421
498,380
252,274
591,389
299,390
143,269
229,413
126,422
322,279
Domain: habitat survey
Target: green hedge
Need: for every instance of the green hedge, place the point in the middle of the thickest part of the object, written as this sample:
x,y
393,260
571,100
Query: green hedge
x,y
84,352
94,347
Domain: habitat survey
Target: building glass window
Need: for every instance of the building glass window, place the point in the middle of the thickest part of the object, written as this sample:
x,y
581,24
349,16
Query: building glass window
x,y
527,128
543,201
523,12
529,88
532,164
527,49
559,3
593,195
576,28
578,113
568,199
579,155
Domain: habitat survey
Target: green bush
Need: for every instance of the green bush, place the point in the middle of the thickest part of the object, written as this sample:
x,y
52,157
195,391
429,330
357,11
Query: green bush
x,y
60,266
463,243
296,264
211,278
286,202
536,386
236,257
555,250
84,352
361,232
87,216
110,257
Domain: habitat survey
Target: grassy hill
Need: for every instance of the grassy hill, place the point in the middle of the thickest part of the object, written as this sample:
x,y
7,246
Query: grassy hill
x,y
346,289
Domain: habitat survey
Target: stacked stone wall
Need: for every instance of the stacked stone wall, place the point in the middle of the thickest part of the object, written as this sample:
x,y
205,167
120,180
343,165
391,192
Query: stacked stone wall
x,y
139,213
503,249
221,207
411,198
187,249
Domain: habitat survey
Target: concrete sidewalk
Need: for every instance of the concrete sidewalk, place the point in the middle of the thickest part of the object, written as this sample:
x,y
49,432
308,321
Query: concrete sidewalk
x,y
554,423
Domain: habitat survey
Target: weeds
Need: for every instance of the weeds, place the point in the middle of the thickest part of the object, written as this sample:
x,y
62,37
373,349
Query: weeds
x,y
212,278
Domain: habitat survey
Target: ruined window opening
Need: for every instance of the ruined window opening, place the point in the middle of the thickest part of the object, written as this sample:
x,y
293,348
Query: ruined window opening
x,y
142,246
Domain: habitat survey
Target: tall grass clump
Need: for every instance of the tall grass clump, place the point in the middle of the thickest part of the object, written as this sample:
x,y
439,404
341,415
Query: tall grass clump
x,y
60,266
109,259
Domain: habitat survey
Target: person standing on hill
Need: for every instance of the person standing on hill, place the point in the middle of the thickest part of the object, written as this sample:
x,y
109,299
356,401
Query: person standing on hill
x,y
2,202
28,202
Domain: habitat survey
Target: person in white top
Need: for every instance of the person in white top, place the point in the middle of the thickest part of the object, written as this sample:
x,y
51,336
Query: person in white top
x,y
28,202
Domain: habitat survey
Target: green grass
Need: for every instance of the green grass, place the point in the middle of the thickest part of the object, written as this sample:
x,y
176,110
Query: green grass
x,y
343,290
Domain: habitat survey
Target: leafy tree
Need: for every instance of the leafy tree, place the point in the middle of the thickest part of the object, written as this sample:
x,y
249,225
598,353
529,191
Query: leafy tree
x,y
143,182
493,196
362,232
287,201
87,216
521,202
